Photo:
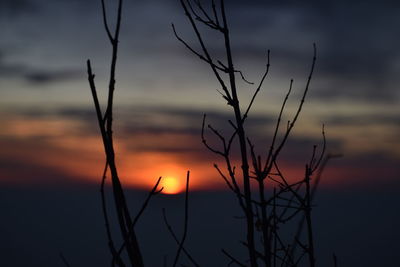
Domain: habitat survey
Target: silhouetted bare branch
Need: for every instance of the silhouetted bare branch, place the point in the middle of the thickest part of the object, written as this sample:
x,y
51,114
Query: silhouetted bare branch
x,y
64,260
105,126
185,226
154,191
233,259
181,242
289,197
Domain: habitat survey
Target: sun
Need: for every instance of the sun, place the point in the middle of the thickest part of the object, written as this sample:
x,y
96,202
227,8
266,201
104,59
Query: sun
x,y
171,185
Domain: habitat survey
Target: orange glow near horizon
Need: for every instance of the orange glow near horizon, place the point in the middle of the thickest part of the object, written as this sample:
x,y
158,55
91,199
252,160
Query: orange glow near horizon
x,y
47,150
170,186
143,172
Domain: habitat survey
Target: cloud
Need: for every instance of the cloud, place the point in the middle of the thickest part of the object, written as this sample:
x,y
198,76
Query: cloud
x,y
357,43
11,70
45,77
173,130
8,69
35,75
361,120
12,8
60,135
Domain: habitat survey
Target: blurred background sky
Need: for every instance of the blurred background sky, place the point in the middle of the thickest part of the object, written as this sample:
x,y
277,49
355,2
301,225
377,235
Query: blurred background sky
x,y
49,136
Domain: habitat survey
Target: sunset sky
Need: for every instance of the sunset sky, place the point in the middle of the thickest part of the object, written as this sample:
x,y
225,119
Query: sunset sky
x,y
49,134
162,90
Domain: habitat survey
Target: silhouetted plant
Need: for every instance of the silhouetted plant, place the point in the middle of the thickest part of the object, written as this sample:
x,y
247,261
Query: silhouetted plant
x,y
105,121
288,200
268,199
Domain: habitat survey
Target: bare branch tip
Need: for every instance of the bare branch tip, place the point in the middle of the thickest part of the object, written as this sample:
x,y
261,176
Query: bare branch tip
x,y
315,50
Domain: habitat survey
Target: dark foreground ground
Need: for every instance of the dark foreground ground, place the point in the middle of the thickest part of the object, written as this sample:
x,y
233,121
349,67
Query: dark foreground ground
x,y
36,224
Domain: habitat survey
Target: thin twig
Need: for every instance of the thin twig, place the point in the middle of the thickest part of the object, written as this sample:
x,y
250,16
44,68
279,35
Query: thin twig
x,y
153,192
171,231
185,227
103,7
64,260
204,140
258,88
335,261
124,218
293,121
181,242
205,51
116,256
232,258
